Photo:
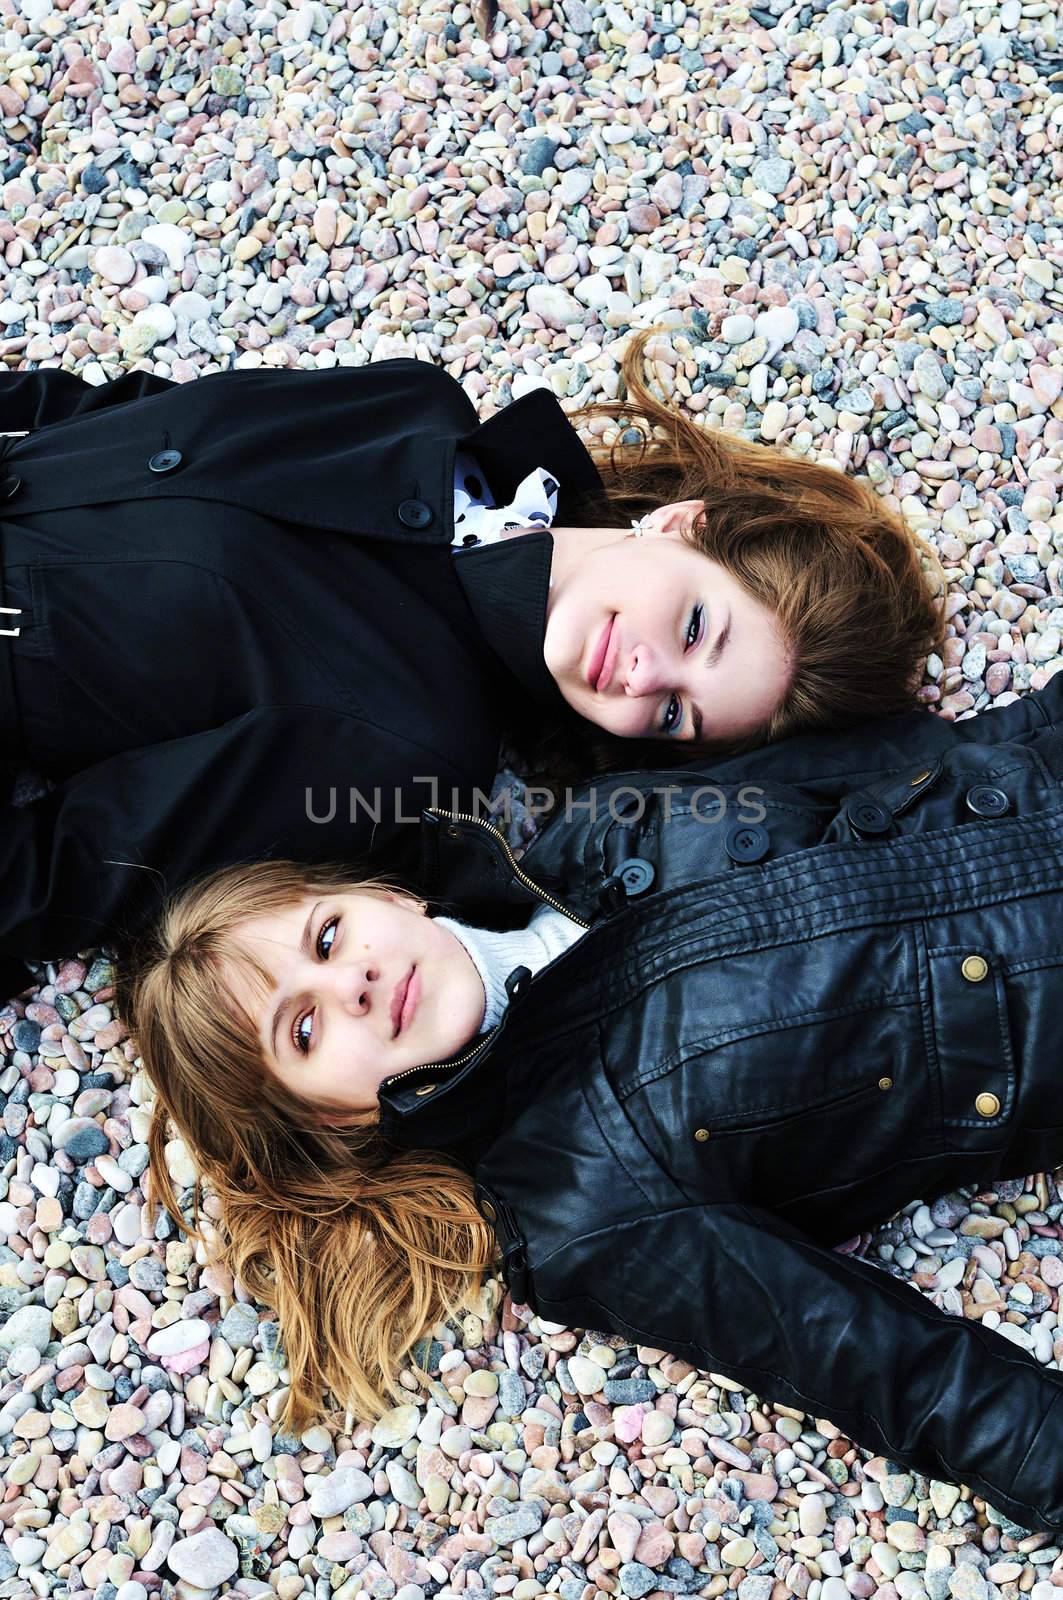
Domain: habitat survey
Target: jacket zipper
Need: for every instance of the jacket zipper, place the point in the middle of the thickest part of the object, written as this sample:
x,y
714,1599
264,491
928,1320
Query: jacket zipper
x,y
460,816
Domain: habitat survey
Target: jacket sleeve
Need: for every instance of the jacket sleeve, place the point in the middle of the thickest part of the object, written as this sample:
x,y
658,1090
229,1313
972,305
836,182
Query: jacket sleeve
x,y
872,750
30,400
736,1290
88,862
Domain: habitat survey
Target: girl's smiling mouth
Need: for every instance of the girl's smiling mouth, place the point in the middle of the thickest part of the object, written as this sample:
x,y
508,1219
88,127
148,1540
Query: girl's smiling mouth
x,y
598,656
404,1003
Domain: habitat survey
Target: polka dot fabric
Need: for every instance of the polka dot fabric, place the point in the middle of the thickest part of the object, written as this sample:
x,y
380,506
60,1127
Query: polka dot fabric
x,y
478,520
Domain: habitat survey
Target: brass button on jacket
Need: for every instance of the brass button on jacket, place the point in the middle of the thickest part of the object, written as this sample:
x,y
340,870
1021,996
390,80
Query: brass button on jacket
x,y
975,968
987,1105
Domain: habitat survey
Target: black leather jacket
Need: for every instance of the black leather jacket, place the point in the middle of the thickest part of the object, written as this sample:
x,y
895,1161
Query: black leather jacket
x,y
777,1031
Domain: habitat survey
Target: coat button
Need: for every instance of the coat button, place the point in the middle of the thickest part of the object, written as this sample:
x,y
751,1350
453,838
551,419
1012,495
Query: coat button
x,y
885,1083
635,874
701,1134
974,968
488,1210
517,981
165,460
747,842
867,816
427,1089
987,1105
986,801
9,488
415,514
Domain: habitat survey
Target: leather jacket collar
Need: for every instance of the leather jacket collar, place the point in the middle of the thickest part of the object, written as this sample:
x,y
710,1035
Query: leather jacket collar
x,y
444,1103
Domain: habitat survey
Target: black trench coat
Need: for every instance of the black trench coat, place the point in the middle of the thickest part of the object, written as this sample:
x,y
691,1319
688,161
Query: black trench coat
x,y
778,1030
235,598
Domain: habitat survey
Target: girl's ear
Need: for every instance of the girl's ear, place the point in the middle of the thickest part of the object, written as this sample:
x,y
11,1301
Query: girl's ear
x,y
404,900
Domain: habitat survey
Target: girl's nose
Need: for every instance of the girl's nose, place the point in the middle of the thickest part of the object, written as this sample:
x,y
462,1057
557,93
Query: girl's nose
x,y
643,674
357,988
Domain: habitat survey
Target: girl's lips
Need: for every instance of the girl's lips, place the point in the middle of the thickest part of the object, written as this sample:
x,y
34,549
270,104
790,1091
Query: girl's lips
x,y
599,653
410,994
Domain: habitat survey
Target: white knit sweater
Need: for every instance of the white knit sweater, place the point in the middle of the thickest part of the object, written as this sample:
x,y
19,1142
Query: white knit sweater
x,y
547,935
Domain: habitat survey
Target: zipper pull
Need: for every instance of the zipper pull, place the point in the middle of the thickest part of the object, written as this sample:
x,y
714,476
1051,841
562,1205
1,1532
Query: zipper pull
x,y
517,982
612,895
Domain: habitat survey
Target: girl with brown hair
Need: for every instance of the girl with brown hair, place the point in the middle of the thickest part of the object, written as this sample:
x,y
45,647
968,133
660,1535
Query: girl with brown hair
x,y
709,1053
342,581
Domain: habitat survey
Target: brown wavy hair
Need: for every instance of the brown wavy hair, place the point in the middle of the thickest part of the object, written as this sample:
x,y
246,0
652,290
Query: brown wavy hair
x,y
857,593
359,1247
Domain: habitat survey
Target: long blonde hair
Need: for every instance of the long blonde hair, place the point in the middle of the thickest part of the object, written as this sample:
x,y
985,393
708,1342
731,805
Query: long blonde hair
x,y
359,1247
858,594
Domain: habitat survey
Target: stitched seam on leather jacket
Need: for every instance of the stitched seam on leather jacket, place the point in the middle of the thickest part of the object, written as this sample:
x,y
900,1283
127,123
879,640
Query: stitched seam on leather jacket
x,y
782,1208
611,1147
1053,958
1052,1406
806,885
710,1041
799,910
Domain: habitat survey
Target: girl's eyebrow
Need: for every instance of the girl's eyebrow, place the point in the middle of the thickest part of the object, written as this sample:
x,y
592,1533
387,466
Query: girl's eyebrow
x,y
710,661
286,1005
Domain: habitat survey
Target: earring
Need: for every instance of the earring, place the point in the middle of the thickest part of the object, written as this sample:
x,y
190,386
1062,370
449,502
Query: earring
x,y
640,526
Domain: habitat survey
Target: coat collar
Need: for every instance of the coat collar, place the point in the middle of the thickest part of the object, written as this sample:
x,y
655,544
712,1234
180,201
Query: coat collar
x,y
507,584
449,1103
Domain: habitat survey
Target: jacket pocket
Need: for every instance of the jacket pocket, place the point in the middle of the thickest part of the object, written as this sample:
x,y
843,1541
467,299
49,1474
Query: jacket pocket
x,y
771,1072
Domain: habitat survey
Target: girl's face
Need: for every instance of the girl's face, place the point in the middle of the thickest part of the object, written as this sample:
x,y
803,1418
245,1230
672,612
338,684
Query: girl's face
x,y
648,638
364,985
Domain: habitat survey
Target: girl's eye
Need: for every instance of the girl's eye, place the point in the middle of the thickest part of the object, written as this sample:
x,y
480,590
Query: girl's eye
x,y
298,1036
673,715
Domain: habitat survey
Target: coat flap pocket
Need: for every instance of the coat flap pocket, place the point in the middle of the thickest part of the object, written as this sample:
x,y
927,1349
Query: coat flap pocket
x,y
973,1045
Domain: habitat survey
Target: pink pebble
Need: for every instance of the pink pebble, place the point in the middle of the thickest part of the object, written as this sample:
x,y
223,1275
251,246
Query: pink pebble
x,y
186,1360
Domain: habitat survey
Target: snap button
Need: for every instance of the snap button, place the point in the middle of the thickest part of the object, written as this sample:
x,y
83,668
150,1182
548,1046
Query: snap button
x,y
974,968
612,895
635,874
414,513
516,981
489,1211
9,488
747,842
165,460
986,801
920,777
987,1105
867,816
427,1089
701,1134
885,1083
